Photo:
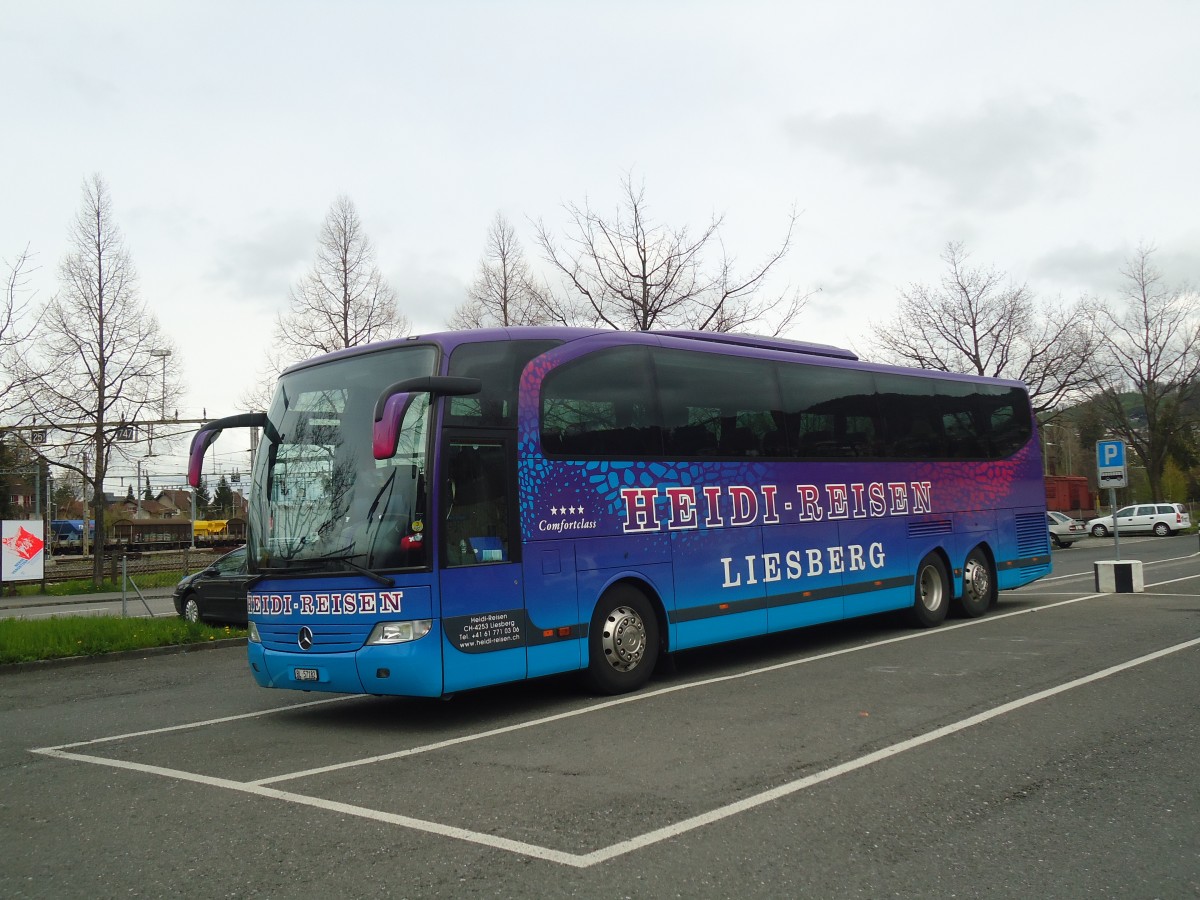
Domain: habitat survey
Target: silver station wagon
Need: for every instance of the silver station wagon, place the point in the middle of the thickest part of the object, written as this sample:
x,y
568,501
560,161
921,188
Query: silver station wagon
x,y
1147,518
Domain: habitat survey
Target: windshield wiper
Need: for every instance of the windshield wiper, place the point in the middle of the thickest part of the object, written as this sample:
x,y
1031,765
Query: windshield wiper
x,y
323,564
374,576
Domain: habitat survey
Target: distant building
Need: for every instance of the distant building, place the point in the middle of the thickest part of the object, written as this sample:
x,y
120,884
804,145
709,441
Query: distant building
x,y
175,503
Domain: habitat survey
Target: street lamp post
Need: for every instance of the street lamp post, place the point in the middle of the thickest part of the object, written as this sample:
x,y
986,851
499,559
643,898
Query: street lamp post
x,y
1063,444
159,354
162,354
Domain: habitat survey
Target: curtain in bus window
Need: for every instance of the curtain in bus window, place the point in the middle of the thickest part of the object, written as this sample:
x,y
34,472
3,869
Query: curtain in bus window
x,y
601,405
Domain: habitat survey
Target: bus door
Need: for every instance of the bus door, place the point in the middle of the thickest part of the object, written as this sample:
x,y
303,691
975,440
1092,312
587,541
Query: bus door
x,y
482,597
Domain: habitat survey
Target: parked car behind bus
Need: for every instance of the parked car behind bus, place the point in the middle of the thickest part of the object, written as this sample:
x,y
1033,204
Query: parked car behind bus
x,y
1064,531
215,594
1158,518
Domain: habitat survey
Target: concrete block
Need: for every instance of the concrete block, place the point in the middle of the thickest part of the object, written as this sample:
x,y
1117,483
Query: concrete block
x,y
1119,576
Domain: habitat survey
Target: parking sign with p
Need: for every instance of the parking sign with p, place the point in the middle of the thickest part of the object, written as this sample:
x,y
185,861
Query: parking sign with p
x,y
1110,464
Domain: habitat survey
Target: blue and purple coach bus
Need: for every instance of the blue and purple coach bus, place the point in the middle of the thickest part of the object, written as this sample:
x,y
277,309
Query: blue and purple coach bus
x,y
457,510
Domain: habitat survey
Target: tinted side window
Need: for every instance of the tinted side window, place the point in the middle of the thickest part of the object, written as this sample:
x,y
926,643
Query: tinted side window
x,y
498,365
829,412
602,405
913,426
714,405
940,419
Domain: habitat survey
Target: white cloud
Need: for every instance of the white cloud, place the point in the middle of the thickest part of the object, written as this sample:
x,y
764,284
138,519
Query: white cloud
x,y
1000,155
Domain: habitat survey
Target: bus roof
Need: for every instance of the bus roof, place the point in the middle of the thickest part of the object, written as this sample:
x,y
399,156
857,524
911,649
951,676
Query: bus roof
x,y
449,340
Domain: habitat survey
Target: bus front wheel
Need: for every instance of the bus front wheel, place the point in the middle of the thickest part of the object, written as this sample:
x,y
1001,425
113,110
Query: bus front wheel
x,y
932,595
622,642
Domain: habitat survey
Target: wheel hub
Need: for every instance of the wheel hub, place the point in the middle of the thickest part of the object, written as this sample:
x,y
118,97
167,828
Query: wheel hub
x,y
975,578
931,589
623,639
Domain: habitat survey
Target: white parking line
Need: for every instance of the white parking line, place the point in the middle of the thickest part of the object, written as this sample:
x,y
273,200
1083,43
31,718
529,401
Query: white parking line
x,y
558,717
649,838
261,787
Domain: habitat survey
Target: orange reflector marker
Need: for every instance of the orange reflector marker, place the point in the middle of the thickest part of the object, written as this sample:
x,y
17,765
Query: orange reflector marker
x,y
549,632
723,606
565,631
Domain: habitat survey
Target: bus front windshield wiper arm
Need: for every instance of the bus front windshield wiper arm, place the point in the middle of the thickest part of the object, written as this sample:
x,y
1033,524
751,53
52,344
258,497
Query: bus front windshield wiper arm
x,y
328,563
374,576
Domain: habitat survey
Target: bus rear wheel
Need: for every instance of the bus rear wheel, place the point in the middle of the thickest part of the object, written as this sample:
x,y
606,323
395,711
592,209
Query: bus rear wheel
x,y
932,594
622,641
979,585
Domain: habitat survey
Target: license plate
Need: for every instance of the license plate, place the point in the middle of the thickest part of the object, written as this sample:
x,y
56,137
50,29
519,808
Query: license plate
x,y
307,675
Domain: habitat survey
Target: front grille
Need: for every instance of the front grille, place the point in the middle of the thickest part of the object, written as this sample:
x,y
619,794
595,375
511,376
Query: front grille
x,y
326,638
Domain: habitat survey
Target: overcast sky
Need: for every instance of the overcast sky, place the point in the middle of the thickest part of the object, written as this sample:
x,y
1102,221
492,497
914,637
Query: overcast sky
x,y
1051,138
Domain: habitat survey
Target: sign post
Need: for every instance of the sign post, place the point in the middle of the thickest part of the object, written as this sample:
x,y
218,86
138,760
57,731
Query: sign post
x,y
1112,473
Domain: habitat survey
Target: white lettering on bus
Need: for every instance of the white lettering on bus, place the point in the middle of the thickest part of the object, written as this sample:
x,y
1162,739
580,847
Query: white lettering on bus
x,y
683,508
799,564
345,604
639,509
745,505
740,505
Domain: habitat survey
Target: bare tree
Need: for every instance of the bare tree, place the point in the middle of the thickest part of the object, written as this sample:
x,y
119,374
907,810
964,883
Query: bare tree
x,y
17,320
90,370
1150,347
976,320
504,292
626,272
343,301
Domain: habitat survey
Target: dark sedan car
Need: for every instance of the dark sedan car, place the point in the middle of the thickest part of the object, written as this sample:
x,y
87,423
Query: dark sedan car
x,y
215,594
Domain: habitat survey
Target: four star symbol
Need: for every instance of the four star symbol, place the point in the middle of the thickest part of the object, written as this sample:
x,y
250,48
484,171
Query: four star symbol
x,y
565,510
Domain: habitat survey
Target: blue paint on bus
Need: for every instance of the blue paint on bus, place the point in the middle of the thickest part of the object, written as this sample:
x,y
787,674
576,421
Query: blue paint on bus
x,y
576,495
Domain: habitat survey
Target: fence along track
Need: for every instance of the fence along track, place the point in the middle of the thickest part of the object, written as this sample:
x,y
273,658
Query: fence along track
x,y
71,567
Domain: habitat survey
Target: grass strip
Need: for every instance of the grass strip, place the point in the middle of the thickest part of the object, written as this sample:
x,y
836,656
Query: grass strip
x,y
29,640
85,586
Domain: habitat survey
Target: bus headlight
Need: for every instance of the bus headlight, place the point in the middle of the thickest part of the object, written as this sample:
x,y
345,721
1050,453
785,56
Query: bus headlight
x,y
399,632
252,636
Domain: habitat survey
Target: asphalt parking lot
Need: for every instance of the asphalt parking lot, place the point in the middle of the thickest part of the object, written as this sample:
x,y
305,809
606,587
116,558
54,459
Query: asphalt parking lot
x,y
1047,749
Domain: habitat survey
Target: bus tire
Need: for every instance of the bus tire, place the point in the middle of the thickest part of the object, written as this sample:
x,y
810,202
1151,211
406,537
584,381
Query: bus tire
x,y
622,641
979,585
931,598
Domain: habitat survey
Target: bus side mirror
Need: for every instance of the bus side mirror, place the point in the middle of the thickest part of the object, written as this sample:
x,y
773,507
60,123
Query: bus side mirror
x,y
203,439
386,431
393,402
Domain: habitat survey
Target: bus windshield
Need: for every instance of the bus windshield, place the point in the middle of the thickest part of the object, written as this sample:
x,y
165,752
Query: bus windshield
x,y
322,501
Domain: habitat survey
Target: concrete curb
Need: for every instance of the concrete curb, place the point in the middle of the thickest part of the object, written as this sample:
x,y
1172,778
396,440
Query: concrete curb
x,y
120,656
74,599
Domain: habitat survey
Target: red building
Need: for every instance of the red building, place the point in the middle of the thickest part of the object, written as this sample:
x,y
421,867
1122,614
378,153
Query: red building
x,y
1069,494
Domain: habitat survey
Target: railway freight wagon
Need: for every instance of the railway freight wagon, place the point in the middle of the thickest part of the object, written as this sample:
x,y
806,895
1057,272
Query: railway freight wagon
x,y
140,535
